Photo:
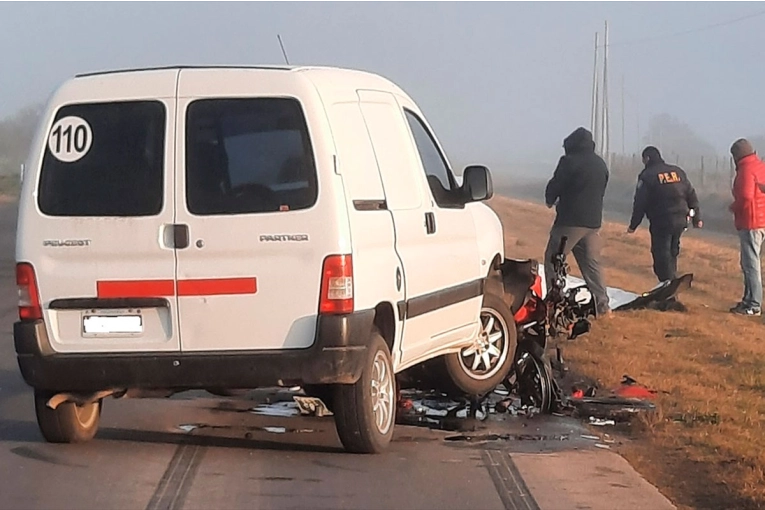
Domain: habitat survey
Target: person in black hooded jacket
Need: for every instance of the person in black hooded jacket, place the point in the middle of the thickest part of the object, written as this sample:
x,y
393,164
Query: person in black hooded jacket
x,y
666,196
577,189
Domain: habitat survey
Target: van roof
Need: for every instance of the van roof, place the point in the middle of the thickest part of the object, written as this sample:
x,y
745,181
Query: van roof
x,y
178,67
326,76
281,68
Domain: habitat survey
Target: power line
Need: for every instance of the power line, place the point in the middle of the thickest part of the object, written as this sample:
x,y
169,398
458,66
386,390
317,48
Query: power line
x,y
689,31
571,2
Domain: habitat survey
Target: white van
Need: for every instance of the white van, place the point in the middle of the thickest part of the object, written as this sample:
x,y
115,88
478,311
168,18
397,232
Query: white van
x,y
226,228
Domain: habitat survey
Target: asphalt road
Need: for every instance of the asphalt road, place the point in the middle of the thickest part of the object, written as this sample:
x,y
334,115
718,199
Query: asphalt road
x,y
198,451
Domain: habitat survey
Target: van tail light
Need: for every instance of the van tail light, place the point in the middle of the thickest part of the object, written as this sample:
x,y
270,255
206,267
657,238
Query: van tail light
x,y
29,297
337,285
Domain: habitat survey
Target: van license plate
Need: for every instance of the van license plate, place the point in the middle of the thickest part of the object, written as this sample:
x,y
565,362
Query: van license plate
x,y
115,324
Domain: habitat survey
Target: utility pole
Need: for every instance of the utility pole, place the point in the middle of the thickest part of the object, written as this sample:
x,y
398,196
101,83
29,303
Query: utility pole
x,y
637,109
606,128
623,148
594,121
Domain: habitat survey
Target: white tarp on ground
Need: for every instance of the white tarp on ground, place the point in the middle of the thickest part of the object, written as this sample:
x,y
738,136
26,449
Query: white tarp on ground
x,y
616,297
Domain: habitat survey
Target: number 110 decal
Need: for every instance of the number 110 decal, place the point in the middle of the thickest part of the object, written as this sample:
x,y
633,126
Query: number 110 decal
x,y
70,139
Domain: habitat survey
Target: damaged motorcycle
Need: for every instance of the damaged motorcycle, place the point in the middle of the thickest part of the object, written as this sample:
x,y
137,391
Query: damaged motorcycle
x,y
540,315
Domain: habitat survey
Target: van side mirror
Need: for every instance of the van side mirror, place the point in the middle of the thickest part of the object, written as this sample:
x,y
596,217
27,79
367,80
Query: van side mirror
x,y
476,183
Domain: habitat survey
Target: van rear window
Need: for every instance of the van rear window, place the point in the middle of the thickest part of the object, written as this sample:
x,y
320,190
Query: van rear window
x,y
104,159
248,156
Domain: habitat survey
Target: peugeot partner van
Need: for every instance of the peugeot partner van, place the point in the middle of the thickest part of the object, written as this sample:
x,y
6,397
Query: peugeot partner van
x,y
217,228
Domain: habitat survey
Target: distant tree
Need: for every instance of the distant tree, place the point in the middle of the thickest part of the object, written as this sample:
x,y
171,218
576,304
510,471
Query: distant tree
x,y
758,142
675,139
16,134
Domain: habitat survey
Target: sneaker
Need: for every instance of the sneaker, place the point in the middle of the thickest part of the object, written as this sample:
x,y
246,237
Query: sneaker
x,y
749,311
738,307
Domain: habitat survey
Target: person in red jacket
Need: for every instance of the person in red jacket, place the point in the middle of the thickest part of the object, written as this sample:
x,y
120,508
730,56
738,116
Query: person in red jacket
x,y
748,210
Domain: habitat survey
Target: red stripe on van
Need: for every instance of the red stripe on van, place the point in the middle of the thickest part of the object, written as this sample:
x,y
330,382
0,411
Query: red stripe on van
x,y
217,286
166,288
135,288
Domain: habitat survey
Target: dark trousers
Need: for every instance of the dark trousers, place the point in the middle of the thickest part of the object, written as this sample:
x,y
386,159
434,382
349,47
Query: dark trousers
x,y
585,244
665,247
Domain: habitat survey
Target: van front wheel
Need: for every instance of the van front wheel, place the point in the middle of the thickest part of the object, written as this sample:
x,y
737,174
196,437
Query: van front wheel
x,y
482,366
69,422
365,412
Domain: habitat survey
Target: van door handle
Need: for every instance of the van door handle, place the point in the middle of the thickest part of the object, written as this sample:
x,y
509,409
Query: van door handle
x,y
430,223
180,236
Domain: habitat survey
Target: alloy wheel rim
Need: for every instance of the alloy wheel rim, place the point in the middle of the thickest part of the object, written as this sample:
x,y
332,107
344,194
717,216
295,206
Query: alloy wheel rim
x,y
488,352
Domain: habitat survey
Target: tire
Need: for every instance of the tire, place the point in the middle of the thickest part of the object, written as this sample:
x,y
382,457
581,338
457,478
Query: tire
x,y
478,369
69,422
535,383
365,412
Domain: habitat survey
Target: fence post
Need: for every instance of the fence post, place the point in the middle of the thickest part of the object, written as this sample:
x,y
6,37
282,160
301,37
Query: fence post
x,y
732,173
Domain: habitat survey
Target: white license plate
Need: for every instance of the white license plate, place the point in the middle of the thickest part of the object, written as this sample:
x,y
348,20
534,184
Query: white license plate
x,y
114,324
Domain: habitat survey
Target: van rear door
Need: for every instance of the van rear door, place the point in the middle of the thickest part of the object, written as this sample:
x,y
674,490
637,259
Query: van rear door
x,y
248,198
98,230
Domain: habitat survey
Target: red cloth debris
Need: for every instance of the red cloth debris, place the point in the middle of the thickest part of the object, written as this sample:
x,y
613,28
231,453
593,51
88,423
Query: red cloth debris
x,y
634,391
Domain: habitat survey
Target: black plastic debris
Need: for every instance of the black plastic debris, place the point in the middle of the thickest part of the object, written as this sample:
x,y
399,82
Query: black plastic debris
x,y
507,437
662,298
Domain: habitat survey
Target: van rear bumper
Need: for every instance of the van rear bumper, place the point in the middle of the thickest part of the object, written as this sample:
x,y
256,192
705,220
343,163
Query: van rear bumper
x,y
337,356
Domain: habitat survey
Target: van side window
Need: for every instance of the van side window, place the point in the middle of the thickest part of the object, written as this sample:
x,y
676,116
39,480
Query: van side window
x,y
442,184
248,156
119,169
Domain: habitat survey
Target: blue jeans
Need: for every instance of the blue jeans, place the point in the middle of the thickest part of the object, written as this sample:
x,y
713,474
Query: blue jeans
x,y
751,244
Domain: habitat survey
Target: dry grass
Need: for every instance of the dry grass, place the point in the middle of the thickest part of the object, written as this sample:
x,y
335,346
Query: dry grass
x,y
705,448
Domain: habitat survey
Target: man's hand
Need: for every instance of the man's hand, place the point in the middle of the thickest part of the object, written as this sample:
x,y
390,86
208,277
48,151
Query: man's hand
x,y
630,230
700,224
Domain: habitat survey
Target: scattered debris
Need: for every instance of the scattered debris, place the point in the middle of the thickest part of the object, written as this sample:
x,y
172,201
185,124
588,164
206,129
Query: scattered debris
x,y
598,422
279,409
507,437
695,418
276,430
630,388
592,438
603,446
188,428
312,406
663,297
612,407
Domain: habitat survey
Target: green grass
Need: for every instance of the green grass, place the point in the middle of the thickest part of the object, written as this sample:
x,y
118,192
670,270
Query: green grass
x,y
10,185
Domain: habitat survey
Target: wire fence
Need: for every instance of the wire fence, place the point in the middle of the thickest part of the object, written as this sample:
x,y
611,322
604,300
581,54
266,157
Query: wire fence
x,y
709,175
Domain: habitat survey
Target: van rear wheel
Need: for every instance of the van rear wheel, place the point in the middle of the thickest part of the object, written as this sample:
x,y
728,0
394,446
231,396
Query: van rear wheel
x,y
69,422
365,412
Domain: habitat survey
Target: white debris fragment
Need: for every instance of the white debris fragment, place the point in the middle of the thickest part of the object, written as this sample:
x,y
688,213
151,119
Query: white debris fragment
x,y
275,430
616,297
593,438
188,428
279,409
602,446
598,422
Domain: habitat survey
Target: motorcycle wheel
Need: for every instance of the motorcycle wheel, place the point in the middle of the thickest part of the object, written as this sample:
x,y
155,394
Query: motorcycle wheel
x,y
534,381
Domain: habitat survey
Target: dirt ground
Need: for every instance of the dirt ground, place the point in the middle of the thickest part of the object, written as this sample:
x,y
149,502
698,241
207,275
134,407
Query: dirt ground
x,y
705,447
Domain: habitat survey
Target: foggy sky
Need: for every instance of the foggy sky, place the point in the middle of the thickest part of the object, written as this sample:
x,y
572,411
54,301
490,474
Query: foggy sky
x,y
498,81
